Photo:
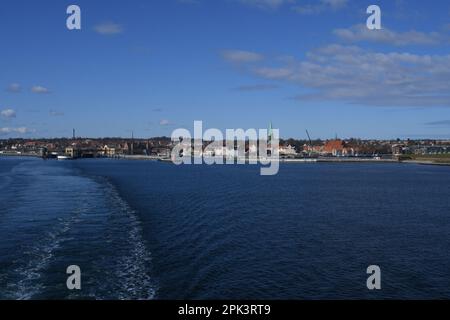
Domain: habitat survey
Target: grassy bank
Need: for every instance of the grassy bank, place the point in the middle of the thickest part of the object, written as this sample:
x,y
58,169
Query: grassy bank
x,y
434,158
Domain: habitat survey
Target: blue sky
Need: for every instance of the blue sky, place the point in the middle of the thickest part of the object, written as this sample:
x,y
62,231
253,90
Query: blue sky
x,y
153,66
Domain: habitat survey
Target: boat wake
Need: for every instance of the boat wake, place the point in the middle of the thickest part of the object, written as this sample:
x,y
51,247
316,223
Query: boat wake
x,y
61,218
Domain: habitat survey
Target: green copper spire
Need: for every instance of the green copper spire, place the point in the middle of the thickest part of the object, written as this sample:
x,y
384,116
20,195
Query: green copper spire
x,y
270,135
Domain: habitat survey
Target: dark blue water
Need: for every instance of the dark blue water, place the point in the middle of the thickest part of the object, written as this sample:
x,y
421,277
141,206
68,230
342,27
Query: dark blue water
x,y
143,230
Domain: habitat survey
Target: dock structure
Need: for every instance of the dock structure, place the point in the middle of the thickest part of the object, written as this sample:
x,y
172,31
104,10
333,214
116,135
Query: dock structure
x,y
75,153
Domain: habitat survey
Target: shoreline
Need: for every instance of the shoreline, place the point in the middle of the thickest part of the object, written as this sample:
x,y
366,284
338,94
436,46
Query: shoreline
x,y
426,162
292,161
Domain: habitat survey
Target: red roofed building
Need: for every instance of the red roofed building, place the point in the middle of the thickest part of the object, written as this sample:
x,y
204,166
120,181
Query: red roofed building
x,y
337,148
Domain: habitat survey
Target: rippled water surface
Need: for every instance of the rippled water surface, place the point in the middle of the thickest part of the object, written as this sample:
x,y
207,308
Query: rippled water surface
x,y
143,230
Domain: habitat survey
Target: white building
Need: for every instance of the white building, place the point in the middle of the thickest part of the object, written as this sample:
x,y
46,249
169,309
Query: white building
x,y
287,151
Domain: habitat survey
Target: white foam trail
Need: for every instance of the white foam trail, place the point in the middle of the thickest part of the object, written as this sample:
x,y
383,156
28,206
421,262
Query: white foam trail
x,y
98,208
131,270
39,257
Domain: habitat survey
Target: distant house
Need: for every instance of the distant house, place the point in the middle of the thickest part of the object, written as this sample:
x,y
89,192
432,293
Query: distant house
x,y
434,149
398,149
337,148
161,151
287,150
128,148
109,151
312,149
72,152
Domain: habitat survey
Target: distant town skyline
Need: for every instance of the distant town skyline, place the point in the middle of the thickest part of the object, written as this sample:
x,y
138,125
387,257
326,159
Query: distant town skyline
x,y
149,67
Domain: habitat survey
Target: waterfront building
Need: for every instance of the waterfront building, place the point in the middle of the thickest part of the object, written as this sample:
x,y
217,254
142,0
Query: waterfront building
x,y
309,149
42,152
72,152
398,149
109,151
337,148
287,151
430,150
160,151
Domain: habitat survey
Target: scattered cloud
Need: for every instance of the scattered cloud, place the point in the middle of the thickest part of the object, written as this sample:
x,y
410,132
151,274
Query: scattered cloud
x,y
14,88
360,33
266,4
241,56
440,123
40,90
354,75
164,122
305,7
55,113
19,130
8,113
108,28
319,6
256,87
274,73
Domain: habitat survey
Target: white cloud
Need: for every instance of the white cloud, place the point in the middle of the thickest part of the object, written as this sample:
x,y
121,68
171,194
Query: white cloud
x,y
8,113
240,56
14,88
108,28
273,73
164,122
335,4
354,75
19,130
313,7
40,89
359,33
320,6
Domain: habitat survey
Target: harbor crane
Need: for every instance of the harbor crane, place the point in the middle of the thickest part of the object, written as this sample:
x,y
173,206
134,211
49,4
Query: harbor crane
x,y
310,143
